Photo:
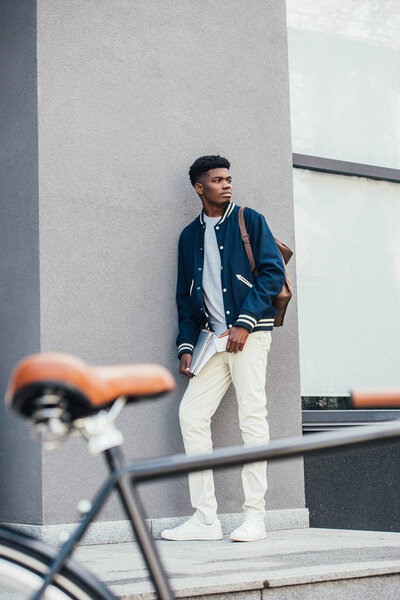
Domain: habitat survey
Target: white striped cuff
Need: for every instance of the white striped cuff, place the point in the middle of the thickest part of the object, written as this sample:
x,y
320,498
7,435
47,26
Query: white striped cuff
x,y
247,321
247,317
185,347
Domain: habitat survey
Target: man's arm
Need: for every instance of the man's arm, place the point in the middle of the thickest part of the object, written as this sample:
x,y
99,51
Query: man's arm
x,y
271,275
188,329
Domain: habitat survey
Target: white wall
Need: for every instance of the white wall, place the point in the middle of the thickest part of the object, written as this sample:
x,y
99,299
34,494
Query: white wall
x,y
344,79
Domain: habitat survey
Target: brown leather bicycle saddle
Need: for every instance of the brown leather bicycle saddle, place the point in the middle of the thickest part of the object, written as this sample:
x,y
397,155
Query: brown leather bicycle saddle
x,y
84,388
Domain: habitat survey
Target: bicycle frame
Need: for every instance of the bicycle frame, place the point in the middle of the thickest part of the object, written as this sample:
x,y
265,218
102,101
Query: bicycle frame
x,y
125,477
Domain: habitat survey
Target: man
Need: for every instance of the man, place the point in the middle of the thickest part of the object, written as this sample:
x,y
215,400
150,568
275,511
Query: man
x,y
216,289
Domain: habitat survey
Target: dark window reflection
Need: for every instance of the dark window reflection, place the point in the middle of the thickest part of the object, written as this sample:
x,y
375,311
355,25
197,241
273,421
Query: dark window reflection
x,y
325,402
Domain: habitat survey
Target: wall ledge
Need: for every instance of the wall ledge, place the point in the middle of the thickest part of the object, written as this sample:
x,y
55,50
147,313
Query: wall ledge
x,y
114,532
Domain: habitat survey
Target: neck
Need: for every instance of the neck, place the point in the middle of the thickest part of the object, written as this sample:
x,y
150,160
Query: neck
x,y
213,211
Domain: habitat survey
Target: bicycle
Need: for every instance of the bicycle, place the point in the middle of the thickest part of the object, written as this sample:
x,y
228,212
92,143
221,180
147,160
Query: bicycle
x,y
61,395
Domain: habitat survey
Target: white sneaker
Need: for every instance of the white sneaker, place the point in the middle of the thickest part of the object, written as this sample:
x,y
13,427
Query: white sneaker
x,y
194,529
250,530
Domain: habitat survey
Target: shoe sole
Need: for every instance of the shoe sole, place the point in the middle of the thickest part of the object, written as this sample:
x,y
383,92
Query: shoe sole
x,y
192,539
262,537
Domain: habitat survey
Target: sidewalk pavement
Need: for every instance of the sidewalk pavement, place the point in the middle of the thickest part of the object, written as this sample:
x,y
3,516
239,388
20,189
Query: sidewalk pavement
x,y
303,563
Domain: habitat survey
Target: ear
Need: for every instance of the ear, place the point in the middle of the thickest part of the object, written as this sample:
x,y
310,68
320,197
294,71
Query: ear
x,y
198,187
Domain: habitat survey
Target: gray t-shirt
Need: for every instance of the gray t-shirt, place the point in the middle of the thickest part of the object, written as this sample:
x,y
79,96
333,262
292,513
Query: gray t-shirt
x,y
212,288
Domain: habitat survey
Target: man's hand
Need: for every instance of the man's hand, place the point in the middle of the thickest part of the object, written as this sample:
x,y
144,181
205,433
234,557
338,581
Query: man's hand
x,y
237,338
186,361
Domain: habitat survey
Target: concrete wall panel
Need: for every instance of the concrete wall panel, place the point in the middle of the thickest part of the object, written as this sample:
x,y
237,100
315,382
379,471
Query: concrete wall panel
x,y
130,94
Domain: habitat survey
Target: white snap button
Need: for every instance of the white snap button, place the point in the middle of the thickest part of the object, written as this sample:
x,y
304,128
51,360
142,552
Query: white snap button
x,y
224,290
228,312
221,247
217,227
229,325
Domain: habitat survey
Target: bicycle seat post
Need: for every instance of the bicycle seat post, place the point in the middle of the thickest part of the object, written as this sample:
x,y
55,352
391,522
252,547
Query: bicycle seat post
x,y
133,507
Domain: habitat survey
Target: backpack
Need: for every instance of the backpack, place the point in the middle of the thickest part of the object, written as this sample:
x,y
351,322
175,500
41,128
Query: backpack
x,y
282,299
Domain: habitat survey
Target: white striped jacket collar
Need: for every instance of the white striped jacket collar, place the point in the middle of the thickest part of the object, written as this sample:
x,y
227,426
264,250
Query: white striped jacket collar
x,y
226,214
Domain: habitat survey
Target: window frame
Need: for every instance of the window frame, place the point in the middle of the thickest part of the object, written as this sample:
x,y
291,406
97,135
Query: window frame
x,y
343,167
328,420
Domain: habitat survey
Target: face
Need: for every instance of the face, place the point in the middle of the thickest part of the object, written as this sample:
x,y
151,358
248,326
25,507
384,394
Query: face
x,y
215,187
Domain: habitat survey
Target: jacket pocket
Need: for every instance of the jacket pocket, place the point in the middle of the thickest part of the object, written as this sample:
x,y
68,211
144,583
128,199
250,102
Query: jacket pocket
x,y
244,280
191,287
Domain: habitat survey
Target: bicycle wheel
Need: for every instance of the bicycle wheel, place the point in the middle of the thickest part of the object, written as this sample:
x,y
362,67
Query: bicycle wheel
x,y
24,560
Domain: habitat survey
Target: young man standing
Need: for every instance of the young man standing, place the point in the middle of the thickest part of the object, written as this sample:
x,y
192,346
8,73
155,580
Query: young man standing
x,y
217,290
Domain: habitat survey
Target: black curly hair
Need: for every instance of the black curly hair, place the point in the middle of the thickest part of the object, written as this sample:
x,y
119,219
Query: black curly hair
x,y
205,163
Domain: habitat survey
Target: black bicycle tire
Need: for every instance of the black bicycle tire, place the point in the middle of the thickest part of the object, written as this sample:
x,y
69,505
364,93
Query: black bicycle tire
x,y
35,556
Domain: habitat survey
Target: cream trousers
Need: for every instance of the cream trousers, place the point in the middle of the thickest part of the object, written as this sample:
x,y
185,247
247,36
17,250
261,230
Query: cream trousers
x,y
247,371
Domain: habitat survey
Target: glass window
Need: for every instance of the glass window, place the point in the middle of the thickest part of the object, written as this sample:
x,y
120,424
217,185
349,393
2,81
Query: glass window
x,y
348,273
344,65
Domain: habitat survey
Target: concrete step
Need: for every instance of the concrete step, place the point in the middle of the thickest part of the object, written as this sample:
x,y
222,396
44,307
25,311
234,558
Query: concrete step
x,y
312,564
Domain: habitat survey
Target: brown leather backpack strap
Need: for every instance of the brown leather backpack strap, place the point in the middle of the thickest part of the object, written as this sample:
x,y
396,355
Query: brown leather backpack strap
x,y
246,241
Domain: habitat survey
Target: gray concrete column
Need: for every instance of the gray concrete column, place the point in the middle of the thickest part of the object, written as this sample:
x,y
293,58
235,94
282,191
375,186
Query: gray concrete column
x,y
20,459
130,93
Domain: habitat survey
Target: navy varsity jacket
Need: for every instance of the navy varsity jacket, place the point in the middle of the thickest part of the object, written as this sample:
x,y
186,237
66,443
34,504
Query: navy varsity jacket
x,y
247,300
